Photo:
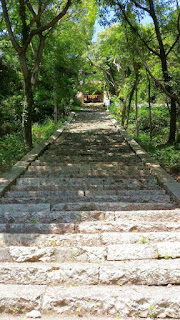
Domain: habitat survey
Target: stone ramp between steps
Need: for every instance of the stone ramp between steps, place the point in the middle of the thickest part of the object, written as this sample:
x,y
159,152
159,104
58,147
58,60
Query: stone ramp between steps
x,y
87,232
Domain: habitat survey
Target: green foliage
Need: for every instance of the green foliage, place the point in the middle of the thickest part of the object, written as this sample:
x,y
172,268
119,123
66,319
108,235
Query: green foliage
x,y
167,155
12,147
11,150
42,131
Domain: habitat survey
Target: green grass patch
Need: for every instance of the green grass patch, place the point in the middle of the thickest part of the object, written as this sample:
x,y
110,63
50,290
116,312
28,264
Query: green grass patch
x,y
12,147
42,131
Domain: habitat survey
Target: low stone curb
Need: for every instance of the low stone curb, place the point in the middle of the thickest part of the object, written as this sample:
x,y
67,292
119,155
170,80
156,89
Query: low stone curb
x,y
9,178
171,186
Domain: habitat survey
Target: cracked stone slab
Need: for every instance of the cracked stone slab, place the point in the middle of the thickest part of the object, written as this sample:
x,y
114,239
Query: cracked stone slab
x,y
35,227
24,254
141,272
82,254
49,273
146,272
139,237
52,316
49,240
126,226
169,250
110,206
10,208
131,251
134,301
20,298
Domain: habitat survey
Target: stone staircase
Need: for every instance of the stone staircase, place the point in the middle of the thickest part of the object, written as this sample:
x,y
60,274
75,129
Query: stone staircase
x,y
87,232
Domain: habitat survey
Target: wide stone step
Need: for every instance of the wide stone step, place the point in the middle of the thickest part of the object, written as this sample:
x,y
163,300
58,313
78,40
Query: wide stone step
x,y
125,301
53,316
56,197
127,226
89,169
111,206
94,158
115,218
134,301
122,150
85,183
82,239
82,193
94,165
120,252
147,272
34,226
10,208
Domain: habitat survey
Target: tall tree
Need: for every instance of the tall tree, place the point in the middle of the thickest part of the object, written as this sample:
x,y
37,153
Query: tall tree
x,y
28,25
161,15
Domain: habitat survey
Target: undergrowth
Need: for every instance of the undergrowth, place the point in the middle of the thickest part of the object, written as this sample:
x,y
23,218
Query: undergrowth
x,y
12,147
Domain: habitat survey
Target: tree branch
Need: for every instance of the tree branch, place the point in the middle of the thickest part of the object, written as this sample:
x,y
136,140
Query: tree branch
x,y
137,4
30,8
37,61
136,31
177,38
9,28
48,25
45,6
163,88
107,74
40,6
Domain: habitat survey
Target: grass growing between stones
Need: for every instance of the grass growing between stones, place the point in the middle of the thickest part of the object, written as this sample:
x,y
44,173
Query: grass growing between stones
x,y
167,155
12,147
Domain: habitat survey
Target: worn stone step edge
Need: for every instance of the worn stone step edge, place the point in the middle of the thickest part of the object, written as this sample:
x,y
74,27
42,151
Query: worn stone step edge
x,y
36,181
114,252
126,301
87,199
87,193
93,217
81,239
139,272
21,166
165,180
52,316
111,206
85,206
86,227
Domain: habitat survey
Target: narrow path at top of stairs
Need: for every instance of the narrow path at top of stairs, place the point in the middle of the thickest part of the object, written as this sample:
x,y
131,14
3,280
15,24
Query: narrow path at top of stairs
x,y
87,232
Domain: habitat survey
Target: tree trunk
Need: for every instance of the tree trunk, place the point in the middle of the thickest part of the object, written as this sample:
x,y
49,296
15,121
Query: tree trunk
x,y
27,115
129,104
55,107
136,114
28,104
123,112
150,111
172,133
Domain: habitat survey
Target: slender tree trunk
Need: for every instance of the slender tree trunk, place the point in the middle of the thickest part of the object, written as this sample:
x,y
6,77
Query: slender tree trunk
x,y
136,114
28,103
129,104
178,130
172,133
123,112
55,107
27,114
149,104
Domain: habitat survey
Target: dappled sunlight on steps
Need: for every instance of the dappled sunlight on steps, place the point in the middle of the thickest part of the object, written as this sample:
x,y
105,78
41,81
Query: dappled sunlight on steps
x,y
87,232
